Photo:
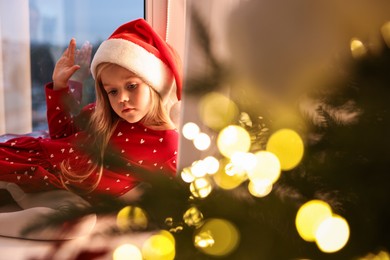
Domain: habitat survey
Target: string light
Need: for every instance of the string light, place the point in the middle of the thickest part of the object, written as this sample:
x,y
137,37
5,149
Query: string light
x,y
217,237
160,246
233,139
190,130
193,217
309,217
244,161
385,30
186,175
232,170
204,239
288,146
126,252
229,177
260,188
332,234
199,169
212,164
267,167
202,141
217,111
131,217
200,188
358,49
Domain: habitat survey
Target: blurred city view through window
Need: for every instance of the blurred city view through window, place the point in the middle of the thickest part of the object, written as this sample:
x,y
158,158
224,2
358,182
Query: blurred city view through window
x,y
52,25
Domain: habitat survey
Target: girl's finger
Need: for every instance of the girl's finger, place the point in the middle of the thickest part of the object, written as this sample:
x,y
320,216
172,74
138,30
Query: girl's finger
x,y
72,48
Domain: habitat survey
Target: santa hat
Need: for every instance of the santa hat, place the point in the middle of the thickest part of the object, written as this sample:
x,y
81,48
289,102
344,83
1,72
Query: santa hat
x,y
137,47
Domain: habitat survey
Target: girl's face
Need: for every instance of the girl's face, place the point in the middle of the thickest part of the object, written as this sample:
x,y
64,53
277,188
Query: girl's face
x,y
129,96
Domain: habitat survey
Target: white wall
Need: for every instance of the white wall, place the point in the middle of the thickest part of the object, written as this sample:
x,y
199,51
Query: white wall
x,y
15,86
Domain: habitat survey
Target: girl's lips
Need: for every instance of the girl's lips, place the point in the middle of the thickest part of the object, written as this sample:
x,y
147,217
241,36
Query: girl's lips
x,y
126,110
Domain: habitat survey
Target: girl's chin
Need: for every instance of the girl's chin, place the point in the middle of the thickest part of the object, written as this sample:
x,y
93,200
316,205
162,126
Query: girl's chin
x,y
132,120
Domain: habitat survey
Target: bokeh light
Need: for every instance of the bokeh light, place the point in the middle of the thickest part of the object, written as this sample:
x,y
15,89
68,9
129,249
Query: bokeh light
x,y
131,217
233,139
244,161
159,247
193,217
186,175
231,170
212,164
127,252
332,234
190,130
200,188
385,30
358,49
204,239
199,169
217,237
228,181
260,188
267,168
217,111
288,146
309,217
381,255
202,141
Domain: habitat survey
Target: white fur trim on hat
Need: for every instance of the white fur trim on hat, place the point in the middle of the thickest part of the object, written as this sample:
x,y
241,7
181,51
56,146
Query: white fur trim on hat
x,y
138,60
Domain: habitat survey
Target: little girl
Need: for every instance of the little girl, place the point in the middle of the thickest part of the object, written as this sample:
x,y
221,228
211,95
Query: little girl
x,y
137,81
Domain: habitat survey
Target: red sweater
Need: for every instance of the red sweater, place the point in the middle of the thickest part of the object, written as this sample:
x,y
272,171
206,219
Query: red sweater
x,y
34,163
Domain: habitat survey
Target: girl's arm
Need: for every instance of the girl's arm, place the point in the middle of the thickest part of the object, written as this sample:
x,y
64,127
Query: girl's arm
x,y
170,166
64,95
59,105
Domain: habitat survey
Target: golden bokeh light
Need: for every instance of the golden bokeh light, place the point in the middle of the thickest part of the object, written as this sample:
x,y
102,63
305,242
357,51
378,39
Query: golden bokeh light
x,y
288,146
309,217
204,239
358,49
385,30
260,188
217,111
233,139
199,169
217,237
200,188
127,252
244,161
131,217
159,247
193,217
332,234
190,130
381,255
267,167
186,175
202,141
232,170
227,177
212,164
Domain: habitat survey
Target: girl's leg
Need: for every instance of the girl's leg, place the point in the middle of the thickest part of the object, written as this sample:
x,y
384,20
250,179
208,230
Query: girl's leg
x,y
12,224
55,199
35,206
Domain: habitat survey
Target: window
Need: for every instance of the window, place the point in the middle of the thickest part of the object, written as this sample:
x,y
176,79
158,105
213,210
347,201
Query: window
x,y
54,23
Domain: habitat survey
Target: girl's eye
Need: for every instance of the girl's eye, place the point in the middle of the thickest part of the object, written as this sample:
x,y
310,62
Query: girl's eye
x,y
112,92
132,86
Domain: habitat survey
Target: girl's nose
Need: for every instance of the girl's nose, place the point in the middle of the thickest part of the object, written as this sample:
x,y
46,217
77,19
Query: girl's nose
x,y
124,98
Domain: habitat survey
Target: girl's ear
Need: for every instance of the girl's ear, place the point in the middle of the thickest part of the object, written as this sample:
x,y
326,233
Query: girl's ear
x,y
174,114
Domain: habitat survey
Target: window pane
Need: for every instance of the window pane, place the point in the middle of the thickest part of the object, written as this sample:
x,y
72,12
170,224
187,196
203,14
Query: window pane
x,y
53,23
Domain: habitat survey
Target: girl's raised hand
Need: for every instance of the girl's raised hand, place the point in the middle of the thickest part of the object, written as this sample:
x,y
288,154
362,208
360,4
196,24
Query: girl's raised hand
x,y
83,59
65,67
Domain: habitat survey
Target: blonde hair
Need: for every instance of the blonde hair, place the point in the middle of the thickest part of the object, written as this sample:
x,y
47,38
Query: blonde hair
x,y
102,125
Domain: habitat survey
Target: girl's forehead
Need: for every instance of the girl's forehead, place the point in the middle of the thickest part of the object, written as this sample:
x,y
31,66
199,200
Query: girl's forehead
x,y
112,70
